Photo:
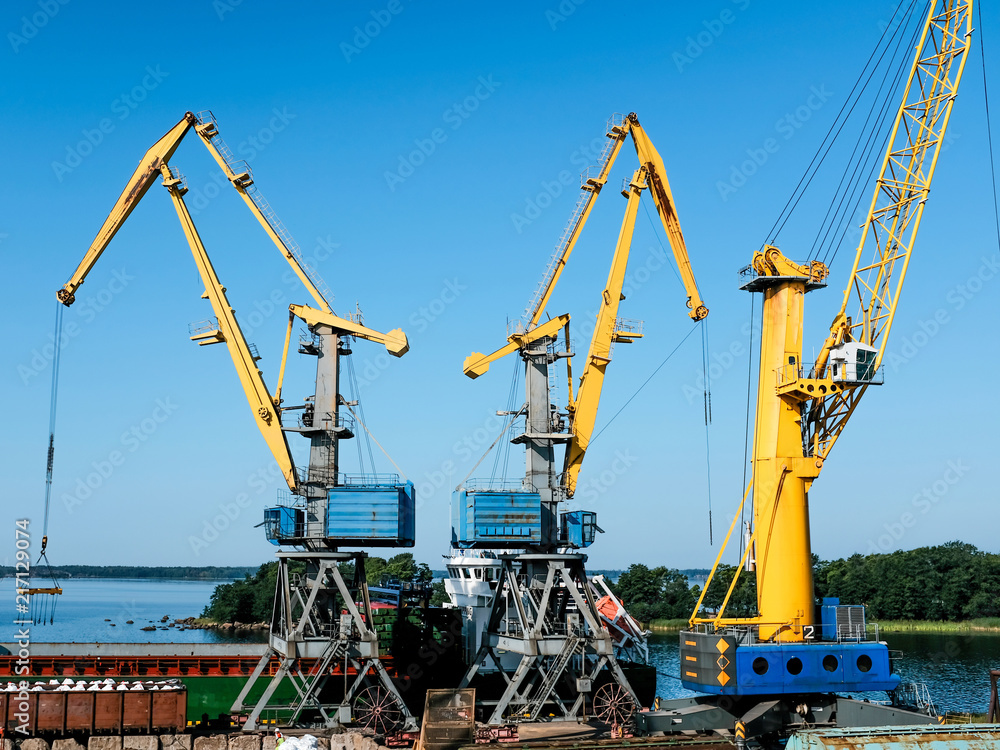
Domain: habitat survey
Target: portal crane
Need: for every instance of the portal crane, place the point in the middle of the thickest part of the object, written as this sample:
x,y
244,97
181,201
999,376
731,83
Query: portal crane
x,y
530,621
331,510
784,665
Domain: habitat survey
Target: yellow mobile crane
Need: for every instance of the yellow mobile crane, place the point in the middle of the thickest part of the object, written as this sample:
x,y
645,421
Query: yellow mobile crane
x,y
785,665
528,622
332,510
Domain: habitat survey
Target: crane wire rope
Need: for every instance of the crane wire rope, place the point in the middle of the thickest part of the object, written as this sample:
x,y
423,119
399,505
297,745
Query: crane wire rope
x,y
511,403
644,384
824,148
352,383
706,377
858,182
746,428
502,457
861,186
503,432
361,412
45,608
706,369
989,129
361,421
826,244
673,267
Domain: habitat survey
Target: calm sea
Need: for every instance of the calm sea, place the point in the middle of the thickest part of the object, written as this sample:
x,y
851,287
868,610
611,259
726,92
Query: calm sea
x,y
97,611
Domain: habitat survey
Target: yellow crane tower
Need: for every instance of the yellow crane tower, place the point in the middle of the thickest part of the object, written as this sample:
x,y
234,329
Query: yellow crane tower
x,y
785,665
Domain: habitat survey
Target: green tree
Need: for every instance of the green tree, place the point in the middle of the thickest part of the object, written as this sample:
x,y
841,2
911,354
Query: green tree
x,y
439,594
652,594
742,603
250,599
950,581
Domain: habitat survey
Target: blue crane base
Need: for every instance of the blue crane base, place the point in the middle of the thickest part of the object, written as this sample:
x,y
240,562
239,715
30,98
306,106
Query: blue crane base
x,y
715,663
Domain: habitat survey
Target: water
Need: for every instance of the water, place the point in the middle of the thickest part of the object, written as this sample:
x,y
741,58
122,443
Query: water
x,y
85,603
954,666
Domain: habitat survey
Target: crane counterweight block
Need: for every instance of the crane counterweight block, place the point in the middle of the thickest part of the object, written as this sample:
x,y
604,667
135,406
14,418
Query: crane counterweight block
x,y
396,343
476,364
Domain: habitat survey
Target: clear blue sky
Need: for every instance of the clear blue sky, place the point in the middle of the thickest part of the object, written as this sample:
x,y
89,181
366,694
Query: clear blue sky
x,y
328,101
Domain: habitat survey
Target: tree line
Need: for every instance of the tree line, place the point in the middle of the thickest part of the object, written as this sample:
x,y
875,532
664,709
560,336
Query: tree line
x,y
948,582
176,573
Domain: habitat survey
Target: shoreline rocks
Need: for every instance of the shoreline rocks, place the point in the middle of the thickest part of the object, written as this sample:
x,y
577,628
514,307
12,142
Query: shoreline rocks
x,y
193,623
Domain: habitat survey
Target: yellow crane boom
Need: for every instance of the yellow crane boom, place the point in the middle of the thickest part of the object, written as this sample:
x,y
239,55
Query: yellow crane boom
x,y
237,172
608,331
649,158
225,328
582,407
149,169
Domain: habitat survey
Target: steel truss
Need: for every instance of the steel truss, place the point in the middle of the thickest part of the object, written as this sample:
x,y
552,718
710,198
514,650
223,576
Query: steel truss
x,y
318,615
544,610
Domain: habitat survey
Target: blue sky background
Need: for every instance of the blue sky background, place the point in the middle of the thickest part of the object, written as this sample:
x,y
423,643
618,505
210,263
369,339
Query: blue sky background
x,y
324,116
